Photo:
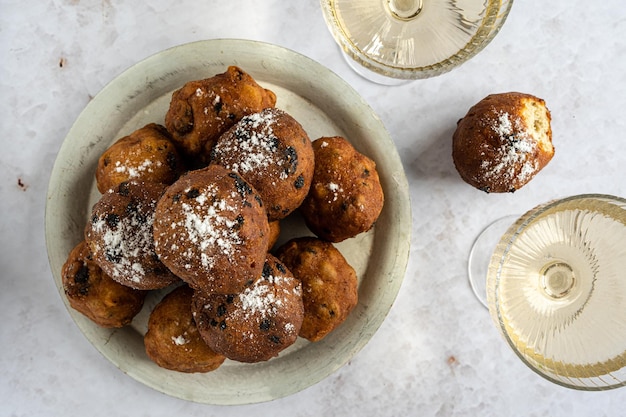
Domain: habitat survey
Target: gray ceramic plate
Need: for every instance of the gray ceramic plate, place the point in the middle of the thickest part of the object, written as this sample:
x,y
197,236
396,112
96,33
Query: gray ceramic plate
x,y
325,105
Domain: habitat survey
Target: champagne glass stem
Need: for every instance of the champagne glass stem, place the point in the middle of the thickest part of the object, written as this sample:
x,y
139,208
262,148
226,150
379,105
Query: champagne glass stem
x,y
404,9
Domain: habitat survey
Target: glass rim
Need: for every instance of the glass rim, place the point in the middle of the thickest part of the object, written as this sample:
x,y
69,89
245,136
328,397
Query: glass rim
x,y
489,28
502,249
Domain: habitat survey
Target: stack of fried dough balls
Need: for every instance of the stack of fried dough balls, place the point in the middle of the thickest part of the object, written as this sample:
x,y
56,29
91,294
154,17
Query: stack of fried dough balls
x,y
193,208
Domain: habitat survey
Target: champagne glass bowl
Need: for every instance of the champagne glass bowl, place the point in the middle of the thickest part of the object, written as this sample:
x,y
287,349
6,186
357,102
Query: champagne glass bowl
x,y
396,41
556,290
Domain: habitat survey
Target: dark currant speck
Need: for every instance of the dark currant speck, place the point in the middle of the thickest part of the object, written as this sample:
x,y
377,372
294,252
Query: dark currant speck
x,y
242,186
172,161
299,182
113,256
239,222
123,189
132,206
193,193
292,156
265,325
82,275
221,310
112,220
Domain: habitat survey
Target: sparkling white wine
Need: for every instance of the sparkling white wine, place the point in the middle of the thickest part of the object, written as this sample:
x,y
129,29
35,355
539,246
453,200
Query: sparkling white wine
x,y
556,288
413,38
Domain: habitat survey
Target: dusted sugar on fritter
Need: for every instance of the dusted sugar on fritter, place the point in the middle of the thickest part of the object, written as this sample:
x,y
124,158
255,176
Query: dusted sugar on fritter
x,y
147,154
96,295
256,324
173,341
329,284
503,142
271,151
202,110
211,230
346,197
120,237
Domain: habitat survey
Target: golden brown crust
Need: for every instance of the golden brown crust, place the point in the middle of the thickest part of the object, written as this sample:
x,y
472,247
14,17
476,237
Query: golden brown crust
x,y
329,284
271,151
274,234
119,235
202,110
346,196
94,294
173,341
257,324
211,230
503,142
147,154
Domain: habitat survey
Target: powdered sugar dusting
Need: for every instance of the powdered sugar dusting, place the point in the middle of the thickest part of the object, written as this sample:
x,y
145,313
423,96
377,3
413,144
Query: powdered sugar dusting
x,y
208,226
266,296
252,145
125,241
180,340
335,189
514,159
135,171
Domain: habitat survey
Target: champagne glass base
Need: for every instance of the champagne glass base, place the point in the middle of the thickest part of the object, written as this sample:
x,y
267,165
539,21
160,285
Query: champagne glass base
x,y
372,76
480,255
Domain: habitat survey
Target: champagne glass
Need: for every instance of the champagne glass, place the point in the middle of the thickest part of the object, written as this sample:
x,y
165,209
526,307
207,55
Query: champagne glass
x,y
556,290
396,41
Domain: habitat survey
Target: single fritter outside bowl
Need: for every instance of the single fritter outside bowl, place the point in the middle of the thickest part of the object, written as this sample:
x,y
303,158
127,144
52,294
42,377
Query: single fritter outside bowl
x,y
271,151
95,294
503,142
119,235
173,341
257,324
211,230
202,110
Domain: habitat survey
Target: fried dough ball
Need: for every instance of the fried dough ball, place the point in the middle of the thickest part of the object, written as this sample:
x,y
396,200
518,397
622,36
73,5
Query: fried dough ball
x,y
173,341
147,154
503,142
257,324
274,234
120,236
329,284
202,110
94,294
211,230
346,197
271,151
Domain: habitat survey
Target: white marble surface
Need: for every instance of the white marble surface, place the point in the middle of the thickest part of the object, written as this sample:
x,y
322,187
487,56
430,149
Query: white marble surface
x,y
437,354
